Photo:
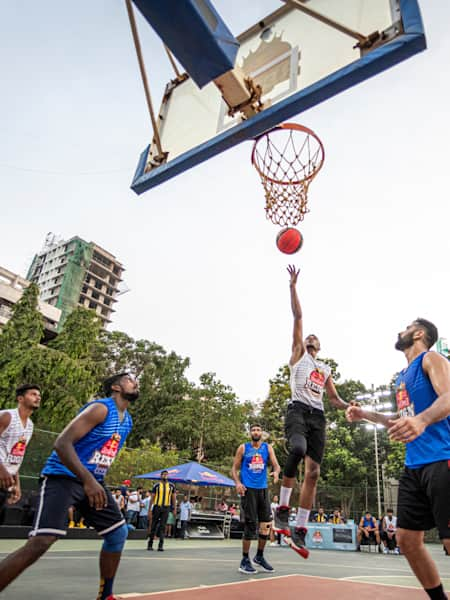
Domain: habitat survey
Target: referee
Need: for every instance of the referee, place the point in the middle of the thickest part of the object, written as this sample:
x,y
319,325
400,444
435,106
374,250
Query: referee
x,y
163,502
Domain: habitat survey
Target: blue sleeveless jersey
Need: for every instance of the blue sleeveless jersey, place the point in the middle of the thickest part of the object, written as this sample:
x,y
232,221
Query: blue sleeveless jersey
x,y
414,394
99,447
254,466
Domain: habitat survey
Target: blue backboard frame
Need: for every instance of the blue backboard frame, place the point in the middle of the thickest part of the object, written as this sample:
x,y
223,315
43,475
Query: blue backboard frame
x,y
411,42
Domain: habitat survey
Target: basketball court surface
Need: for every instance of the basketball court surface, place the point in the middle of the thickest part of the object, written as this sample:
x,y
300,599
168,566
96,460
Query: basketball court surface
x,y
209,569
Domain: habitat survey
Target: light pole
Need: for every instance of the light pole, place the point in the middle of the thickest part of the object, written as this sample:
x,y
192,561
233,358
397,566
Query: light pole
x,y
374,404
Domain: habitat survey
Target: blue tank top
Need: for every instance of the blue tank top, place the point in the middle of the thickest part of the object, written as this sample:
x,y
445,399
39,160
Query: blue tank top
x,y
414,394
99,447
254,466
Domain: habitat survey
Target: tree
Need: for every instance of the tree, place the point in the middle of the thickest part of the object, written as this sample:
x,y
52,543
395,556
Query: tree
x,y
18,339
144,458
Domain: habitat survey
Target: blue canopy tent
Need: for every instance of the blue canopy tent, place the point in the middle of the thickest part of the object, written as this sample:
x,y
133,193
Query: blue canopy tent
x,y
192,473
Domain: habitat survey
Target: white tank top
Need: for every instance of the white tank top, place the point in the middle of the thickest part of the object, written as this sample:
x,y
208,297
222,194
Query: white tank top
x,y
14,440
308,378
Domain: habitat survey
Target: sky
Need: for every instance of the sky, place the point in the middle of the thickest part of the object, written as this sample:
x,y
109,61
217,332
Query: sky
x,y
205,277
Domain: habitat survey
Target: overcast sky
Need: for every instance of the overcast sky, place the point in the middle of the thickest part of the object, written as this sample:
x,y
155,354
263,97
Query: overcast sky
x,y
206,278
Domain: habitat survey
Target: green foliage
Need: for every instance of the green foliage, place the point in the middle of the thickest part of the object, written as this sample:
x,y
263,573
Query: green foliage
x,y
175,420
395,459
18,338
67,372
137,461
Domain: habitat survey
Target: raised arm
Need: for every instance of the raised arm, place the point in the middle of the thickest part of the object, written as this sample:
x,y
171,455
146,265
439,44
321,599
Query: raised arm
x,y
64,446
298,348
237,462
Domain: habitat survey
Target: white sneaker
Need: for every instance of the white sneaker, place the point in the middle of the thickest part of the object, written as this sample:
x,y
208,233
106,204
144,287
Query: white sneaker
x,y
397,551
385,550
273,544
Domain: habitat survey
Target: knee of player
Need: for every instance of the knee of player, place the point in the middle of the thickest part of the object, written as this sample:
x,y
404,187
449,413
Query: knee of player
x,y
114,541
409,541
39,544
250,530
264,530
313,473
298,450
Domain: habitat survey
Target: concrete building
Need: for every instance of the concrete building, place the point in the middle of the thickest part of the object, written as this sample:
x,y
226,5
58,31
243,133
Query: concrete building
x,y
77,273
11,290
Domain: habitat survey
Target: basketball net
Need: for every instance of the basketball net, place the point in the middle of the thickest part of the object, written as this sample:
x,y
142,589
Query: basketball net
x,y
287,159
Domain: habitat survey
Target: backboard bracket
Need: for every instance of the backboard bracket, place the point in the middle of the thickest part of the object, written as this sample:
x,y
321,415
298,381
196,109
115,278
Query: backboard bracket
x,y
363,41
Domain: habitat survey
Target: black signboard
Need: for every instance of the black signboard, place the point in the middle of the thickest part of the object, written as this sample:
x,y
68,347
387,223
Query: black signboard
x,y
342,535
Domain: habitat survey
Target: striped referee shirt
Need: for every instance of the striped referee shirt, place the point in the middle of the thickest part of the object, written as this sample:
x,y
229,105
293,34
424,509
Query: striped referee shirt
x,y
163,493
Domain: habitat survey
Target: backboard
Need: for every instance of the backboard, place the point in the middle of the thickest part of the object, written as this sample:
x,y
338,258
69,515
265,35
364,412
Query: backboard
x,y
298,59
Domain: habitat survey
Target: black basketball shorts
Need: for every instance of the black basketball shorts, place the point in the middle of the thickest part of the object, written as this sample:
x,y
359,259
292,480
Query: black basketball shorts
x,y
302,420
424,498
255,506
57,494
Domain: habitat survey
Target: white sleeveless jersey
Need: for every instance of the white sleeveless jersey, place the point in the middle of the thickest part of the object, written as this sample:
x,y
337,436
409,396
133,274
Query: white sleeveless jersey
x,y
308,378
14,440
389,524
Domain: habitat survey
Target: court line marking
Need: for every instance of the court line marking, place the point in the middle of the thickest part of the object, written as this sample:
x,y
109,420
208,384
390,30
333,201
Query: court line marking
x,y
140,594
215,585
228,560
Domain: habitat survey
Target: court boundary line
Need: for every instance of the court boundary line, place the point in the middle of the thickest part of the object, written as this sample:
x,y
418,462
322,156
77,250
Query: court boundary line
x,y
253,580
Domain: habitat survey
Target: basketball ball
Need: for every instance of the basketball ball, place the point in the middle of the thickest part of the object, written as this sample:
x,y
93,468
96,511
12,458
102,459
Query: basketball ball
x,y
289,240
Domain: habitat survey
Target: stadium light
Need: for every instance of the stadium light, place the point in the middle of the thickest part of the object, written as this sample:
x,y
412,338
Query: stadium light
x,y
373,404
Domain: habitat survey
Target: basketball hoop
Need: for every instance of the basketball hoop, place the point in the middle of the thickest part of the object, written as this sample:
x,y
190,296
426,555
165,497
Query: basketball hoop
x,y
287,159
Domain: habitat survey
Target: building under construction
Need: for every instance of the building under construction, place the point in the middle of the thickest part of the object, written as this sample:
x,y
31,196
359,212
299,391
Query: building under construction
x,y
73,273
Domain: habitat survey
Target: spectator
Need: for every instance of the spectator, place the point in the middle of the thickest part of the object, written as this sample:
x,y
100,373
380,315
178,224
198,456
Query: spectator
x,y
388,529
143,513
170,522
134,506
164,500
185,516
125,490
120,500
336,518
232,509
320,516
368,529
75,519
275,538
222,506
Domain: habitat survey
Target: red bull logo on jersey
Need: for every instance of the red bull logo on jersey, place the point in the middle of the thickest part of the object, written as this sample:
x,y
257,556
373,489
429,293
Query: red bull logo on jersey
x,y
17,452
404,406
316,381
104,457
256,464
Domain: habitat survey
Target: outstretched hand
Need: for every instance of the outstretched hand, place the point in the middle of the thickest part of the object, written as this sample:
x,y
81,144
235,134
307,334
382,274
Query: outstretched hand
x,y
354,413
293,272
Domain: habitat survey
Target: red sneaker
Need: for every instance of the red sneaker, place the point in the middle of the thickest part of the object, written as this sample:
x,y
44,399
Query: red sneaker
x,y
296,541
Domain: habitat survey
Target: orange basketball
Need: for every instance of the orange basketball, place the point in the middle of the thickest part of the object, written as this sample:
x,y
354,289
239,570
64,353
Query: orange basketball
x,y
289,240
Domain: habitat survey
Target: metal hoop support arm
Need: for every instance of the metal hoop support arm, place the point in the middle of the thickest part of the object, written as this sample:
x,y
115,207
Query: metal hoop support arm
x,y
161,155
364,41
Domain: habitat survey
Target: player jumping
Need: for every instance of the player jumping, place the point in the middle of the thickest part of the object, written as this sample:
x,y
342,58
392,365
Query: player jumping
x,y
304,424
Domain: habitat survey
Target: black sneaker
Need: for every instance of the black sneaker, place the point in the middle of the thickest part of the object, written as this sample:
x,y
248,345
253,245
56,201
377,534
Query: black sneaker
x,y
281,520
149,547
296,541
160,549
261,562
247,567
